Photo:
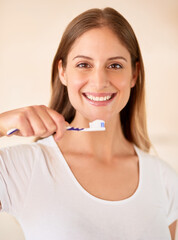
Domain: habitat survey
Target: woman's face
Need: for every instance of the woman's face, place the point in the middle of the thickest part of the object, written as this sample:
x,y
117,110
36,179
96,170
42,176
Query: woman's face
x,y
98,75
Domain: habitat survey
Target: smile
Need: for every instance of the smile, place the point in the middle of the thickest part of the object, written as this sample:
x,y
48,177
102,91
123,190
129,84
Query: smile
x,y
99,98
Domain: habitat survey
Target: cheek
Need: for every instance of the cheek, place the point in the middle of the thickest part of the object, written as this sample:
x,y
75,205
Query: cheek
x,y
74,85
122,83
122,80
75,81
123,87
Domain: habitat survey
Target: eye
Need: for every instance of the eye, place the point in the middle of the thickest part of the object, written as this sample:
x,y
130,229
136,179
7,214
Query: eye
x,y
83,65
115,66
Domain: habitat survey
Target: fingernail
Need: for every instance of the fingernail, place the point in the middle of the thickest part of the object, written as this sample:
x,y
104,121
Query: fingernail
x,y
56,138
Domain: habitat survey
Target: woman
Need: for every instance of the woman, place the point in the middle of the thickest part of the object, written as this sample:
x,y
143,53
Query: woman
x,y
94,185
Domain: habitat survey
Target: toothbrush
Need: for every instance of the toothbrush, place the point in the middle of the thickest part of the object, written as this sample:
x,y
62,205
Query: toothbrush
x,y
97,125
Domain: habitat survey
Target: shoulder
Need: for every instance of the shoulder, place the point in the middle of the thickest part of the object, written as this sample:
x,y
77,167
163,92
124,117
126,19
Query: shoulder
x,y
156,162
25,154
20,157
164,179
164,176
30,149
19,150
21,160
159,170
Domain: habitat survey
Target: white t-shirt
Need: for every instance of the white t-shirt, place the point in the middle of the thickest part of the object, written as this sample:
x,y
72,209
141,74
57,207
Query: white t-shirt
x,y
39,189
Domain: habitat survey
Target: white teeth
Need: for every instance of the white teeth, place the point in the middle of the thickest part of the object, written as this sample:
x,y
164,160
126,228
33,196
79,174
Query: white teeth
x,y
98,99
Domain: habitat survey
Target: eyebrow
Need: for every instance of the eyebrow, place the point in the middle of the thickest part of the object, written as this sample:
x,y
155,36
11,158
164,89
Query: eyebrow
x,y
82,56
118,57
111,58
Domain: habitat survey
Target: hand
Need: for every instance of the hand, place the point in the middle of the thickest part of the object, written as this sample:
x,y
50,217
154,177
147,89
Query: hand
x,y
38,121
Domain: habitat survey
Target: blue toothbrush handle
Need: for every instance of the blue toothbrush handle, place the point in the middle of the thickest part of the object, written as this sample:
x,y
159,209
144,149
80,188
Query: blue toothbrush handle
x,y
102,128
74,129
11,131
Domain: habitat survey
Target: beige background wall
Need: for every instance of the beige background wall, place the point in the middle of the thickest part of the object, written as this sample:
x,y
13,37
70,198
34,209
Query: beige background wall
x,y
29,35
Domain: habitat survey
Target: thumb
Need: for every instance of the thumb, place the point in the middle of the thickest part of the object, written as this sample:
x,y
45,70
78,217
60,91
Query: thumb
x,y
61,130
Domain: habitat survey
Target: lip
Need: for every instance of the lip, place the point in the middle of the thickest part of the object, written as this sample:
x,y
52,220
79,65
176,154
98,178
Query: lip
x,y
98,94
99,103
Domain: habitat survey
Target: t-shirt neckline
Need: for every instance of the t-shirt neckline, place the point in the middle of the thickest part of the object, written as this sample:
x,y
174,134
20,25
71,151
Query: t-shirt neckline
x,y
115,202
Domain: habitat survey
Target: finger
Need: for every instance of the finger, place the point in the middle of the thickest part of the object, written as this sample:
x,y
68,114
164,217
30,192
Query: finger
x,y
47,120
36,123
15,119
60,122
22,124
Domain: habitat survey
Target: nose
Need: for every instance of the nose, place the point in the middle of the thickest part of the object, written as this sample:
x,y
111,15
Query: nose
x,y
99,79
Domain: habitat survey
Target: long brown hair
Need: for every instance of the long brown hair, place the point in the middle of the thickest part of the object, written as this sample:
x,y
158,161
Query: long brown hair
x,y
133,116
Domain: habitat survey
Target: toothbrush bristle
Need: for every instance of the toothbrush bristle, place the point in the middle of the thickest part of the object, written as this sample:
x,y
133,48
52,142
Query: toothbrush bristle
x,y
97,125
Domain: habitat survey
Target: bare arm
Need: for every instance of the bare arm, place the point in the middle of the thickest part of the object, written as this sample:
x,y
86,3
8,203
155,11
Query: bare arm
x,y
172,229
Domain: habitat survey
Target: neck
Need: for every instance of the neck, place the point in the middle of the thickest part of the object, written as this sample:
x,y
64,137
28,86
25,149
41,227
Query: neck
x,y
102,145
